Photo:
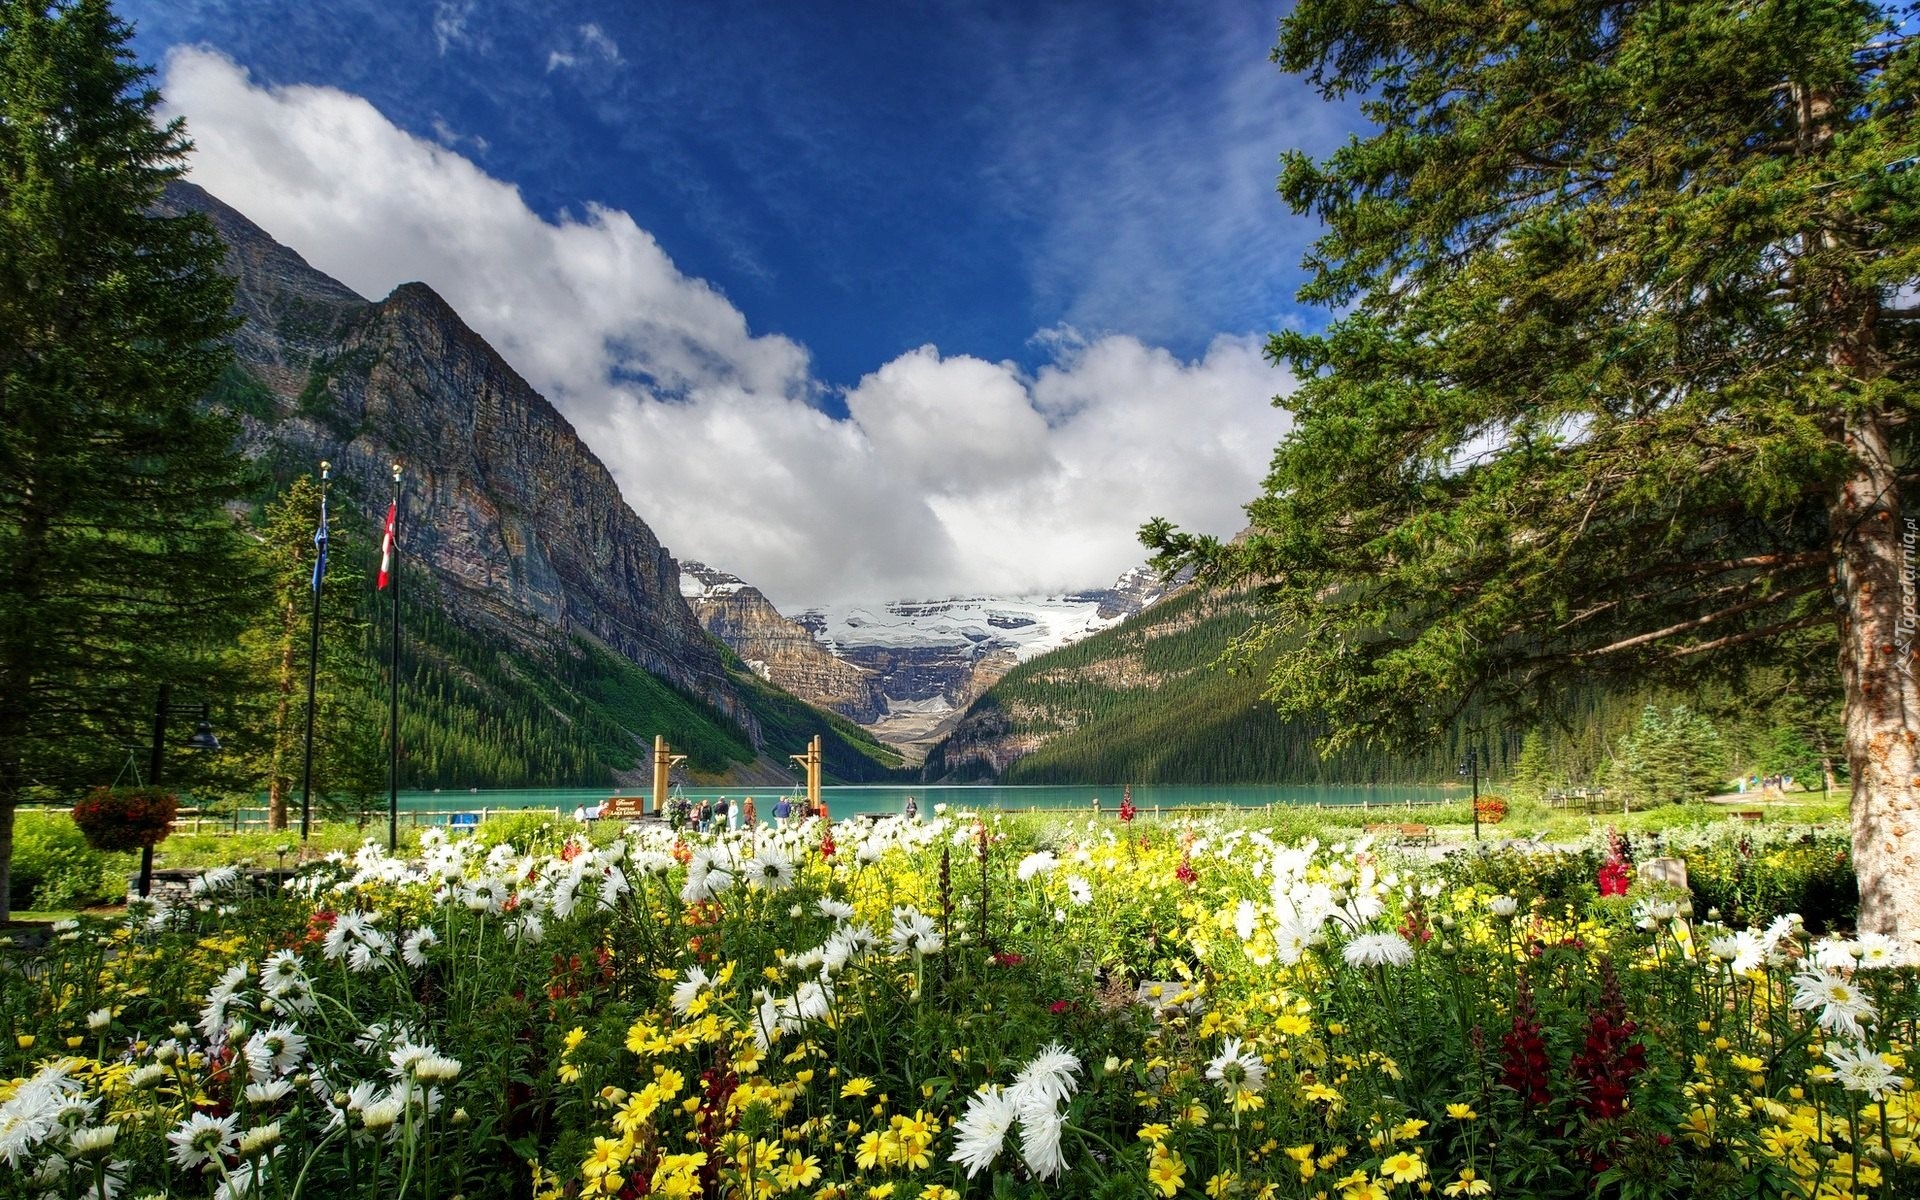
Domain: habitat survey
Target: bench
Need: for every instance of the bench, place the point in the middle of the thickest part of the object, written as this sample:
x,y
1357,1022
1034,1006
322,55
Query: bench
x,y
1752,814
624,808
1404,834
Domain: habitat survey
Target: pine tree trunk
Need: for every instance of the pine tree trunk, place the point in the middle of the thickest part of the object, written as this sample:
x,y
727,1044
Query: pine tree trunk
x,y
1874,581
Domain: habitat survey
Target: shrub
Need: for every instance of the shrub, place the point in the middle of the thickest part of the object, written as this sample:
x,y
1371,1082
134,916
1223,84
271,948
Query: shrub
x,y
55,868
125,818
1750,877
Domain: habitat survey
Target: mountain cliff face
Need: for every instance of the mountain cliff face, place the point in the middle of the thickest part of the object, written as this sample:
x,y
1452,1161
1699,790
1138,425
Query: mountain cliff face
x,y
776,649
546,592
520,527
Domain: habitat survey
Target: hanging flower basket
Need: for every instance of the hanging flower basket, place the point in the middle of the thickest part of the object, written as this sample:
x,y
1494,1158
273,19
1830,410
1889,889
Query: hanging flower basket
x,y
1492,809
126,818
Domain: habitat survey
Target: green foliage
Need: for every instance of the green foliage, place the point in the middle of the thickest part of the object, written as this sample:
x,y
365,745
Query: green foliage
x,y
55,868
1612,360
1749,876
264,746
118,565
1145,702
1672,755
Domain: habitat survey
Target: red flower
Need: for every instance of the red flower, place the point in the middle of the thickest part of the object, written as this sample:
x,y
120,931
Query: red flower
x,y
1185,872
1615,877
1007,958
1524,1066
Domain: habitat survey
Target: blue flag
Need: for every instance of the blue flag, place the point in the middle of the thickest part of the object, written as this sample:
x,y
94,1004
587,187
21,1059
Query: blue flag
x,y
320,547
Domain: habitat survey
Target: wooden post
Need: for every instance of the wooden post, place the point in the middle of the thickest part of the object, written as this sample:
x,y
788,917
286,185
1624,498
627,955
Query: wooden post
x,y
811,762
663,762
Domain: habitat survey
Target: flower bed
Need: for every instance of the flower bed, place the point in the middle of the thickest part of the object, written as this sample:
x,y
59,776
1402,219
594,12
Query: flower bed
x,y
946,1009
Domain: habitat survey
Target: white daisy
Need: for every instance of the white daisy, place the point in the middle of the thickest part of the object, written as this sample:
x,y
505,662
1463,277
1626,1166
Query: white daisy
x,y
200,1138
1842,1006
1878,952
270,1092
1040,1128
914,933
690,986
1041,862
1378,950
1049,1075
982,1130
770,871
1861,1069
1237,1070
413,951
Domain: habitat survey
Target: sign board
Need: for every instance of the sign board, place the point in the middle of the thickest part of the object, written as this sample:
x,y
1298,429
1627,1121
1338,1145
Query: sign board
x,y
1666,870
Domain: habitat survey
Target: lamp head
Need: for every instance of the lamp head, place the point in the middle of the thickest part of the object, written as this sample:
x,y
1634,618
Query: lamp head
x,y
203,738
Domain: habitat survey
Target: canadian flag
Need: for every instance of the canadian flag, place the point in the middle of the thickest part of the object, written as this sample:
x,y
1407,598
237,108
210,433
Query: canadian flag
x,y
386,546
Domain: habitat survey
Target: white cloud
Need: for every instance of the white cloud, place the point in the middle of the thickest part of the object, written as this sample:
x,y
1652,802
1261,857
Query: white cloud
x,y
949,475
593,46
450,23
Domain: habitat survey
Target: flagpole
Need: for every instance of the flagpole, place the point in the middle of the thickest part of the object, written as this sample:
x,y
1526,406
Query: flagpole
x,y
393,684
313,653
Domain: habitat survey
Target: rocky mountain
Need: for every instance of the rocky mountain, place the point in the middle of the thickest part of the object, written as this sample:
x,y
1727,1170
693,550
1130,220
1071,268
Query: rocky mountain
x,y
513,526
780,651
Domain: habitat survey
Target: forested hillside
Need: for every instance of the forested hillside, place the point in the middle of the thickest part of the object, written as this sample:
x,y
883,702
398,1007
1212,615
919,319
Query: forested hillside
x,y
476,713
1148,702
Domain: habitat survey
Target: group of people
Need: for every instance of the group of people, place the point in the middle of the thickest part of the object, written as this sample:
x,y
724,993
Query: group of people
x,y
1766,783
707,816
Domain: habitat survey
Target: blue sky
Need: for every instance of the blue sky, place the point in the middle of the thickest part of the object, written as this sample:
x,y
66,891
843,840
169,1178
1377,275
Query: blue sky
x,y
896,234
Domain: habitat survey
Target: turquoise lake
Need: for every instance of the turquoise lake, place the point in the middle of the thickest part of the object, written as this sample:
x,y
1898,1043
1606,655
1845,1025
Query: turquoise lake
x,y
854,800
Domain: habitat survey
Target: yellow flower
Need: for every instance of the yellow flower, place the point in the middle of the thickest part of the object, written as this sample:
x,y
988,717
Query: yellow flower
x,y
873,1151
1167,1170
857,1086
607,1155
1293,1025
1321,1092
1409,1128
1223,1184
575,1036
798,1172
1461,1112
1469,1184
880,1191
1402,1167
938,1191
1155,1133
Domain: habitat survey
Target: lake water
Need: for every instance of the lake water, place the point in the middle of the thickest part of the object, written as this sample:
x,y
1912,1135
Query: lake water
x,y
854,800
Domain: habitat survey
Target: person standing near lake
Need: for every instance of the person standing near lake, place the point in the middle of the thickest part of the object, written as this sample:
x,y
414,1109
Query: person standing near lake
x,y
749,817
912,809
782,809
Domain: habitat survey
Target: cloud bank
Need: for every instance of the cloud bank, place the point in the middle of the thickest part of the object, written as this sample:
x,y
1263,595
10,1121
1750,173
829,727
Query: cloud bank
x,y
949,475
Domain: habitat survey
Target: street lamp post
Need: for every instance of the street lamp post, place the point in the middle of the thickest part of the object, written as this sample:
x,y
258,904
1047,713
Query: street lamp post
x,y
202,739
1471,766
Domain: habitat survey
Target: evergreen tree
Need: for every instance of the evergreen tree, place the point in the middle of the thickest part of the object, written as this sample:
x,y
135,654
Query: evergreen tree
x,y
117,562
1672,756
1622,381
267,750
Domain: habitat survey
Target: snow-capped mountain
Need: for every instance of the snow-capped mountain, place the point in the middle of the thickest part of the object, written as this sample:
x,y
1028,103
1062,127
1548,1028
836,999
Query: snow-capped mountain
x,y
976,624
926,660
